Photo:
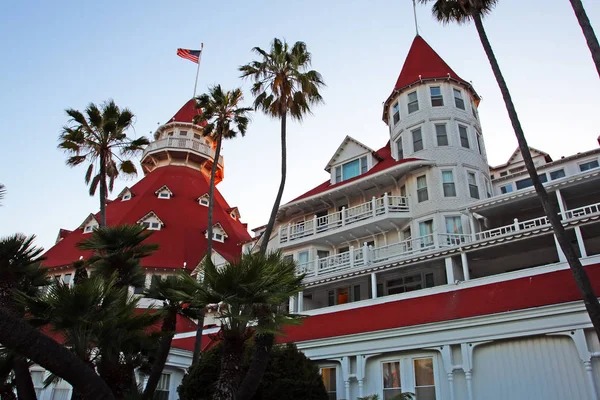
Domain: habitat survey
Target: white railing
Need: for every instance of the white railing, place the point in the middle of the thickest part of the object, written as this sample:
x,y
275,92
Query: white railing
x,y
182,143
363,256
347,216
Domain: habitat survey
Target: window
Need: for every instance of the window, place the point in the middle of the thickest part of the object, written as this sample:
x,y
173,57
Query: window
x,y
67,279
436,96
396,112
89,228
448,183
424,380
152,225
506,188
441,135
479,147
303,257
351,169
391,380
170,133
330,382
473,110
413,102
203,201
559,173
322,254
454,225
399,149
464,136
344,249
182,133
60,393
525,183
218,237
588,165
458,99
429,281
403,190
126,197
473,189
503,173
197,136
422,194
426,233
417,140
404,284
516,169
164,195
288,258
356,293
37,377
331,298
162,390
138,289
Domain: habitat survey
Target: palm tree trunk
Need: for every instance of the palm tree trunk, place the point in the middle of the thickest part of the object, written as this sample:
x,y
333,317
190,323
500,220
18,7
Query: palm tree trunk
x,y
588,31
25,389
269,229
231,364
168,331
20,337
258,366
198,341
102,191
581,278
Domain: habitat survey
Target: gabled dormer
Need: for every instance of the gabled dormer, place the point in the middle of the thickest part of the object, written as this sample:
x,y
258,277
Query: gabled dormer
x,y
219,233
151,221
234,213
125,195
203,200
89,224
351,159
164,192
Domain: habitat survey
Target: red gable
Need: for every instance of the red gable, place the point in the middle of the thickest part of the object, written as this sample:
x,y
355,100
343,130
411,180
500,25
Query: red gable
x,y
186,113
185,221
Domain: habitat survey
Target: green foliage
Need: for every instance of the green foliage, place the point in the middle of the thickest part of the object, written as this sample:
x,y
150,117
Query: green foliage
x,y
459,11
290,375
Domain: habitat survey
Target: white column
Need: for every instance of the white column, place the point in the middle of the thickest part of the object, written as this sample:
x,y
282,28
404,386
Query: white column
x,y
561,255
472,226
467,352
366,254
580,241
292,301
385,202
300,301
468,378
465,266
315,225
343,215
374,205
450,278
346,375
351,255
373,285
590,379
561,203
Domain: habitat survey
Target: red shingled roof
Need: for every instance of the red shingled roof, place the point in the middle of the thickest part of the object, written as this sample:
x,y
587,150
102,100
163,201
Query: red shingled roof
x,y
186,113
387,161
182,237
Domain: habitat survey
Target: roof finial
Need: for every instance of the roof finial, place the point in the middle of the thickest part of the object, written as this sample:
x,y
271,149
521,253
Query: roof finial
x,y
415,12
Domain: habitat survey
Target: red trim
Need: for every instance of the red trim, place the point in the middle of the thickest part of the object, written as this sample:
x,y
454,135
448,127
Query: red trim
x,y
518,294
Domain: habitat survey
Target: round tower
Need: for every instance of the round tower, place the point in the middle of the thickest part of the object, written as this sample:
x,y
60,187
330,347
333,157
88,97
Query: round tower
x,y
181,142
432,115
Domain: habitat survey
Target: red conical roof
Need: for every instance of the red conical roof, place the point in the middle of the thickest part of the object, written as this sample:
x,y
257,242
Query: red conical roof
x,y
186,113
182,239
422,62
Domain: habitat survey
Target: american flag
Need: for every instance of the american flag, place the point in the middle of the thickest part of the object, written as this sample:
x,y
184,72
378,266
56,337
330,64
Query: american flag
x,y
192,55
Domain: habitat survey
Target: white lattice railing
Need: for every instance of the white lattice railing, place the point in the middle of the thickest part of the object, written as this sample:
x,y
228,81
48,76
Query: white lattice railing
x,y
347,216
182,143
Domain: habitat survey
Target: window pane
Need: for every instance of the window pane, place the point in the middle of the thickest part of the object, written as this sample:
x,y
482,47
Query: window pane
x,y
338,174
421,182
396,112
417,140
303,257
390,394
425,393
391,375
442,136
363,165
453,225
588,165
67,279
447,176
557,174
413,102
464,137
424,372
400,150
436,96
351,169
506,189
329,379
458,100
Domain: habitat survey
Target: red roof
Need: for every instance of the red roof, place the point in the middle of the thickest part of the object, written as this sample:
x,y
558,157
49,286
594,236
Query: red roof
x,y
186,113
187,343
387,161
185,221
535,291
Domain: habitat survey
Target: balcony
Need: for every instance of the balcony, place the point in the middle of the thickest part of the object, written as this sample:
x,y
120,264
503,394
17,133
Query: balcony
x,y
431,245
177,144
378,209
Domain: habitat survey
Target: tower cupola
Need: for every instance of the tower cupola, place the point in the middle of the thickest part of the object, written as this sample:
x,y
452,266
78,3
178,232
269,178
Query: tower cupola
x,y
181,142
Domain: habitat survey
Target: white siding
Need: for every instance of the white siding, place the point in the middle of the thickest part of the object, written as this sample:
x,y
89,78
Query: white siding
x,y
535,368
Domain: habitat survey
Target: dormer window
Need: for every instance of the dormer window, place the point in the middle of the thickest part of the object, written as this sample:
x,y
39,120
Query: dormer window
x,y
126,197
203,200
218,234
89,224
351,169
88,229
151,221
233,215
164,193
125,194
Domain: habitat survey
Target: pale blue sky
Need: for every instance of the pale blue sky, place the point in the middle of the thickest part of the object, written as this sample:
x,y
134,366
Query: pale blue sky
x,y
64,54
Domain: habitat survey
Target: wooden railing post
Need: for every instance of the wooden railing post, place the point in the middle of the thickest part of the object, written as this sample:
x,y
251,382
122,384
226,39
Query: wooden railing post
x,y
343,215
374,205
315,225
516,224
351,255
317,266
366,255
386,205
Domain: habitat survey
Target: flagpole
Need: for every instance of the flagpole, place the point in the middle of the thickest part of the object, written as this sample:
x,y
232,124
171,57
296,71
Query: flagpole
x,y
415,13
198,70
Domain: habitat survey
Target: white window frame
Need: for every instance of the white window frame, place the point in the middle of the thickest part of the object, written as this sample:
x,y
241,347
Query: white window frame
x,y
360,166
425,187
89,228
203,201
409,102
460,97
437,137
335,367
126,197
579,164
451,170
474,173
436,97
418,130
460,139
164,195
556,170
435,375
170,384
395,113
408,377
152,225
399,149
219,237
183,133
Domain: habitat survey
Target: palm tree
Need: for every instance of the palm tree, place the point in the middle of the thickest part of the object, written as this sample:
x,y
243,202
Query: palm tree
x,y
462,11
588,31
283,86
250,289
222,119
118,251
95,137
20,272
176,293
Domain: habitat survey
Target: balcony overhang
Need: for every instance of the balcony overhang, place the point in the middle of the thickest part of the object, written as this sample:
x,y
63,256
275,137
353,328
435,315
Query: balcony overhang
x,y
327,198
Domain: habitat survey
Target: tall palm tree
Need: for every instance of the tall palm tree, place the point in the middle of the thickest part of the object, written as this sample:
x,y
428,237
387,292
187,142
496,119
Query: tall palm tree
x,y
283,86
223,118
20,272
176,294
95,137
118,251
588,31
462,11
250,289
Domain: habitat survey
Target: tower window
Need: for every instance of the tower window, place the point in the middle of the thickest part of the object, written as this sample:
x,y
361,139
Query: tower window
x,y
436,96
441,135
448,183
413,102
464,136
479,146
182,133
422,194
473,189
396,112
399,149
458,99
417,140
